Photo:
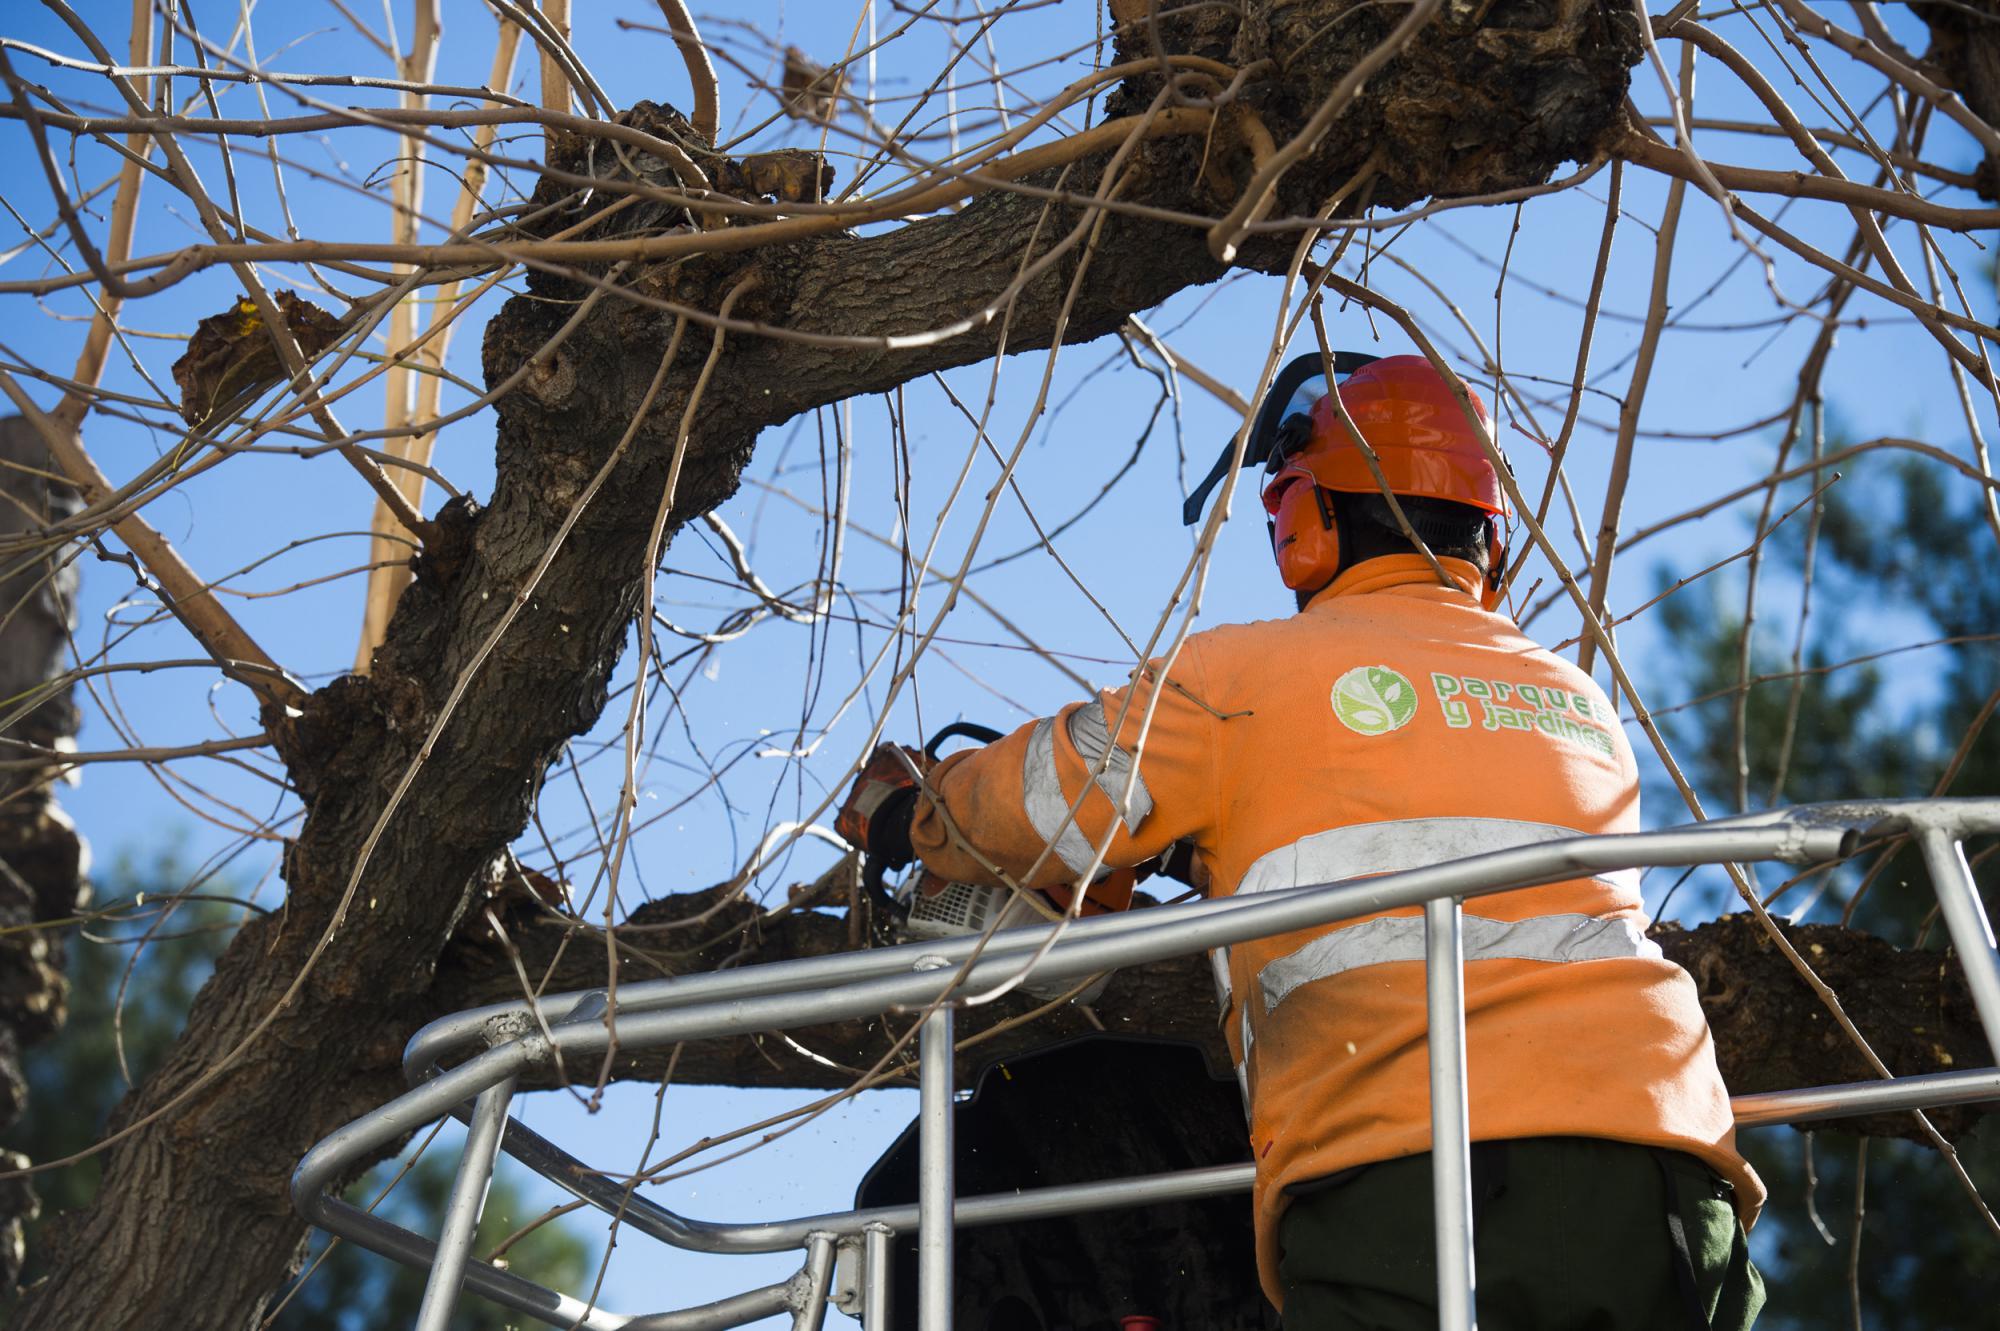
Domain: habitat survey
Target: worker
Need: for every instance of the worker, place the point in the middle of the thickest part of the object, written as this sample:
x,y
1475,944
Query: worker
x,y
1399,719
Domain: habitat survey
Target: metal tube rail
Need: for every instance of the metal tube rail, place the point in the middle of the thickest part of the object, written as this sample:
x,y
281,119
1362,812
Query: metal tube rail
x,y
387,1239
1170,931
471,1028
1451,1129
879,1224
1196,926
812,1282
1003,1208
732,1311
467,1200
1105,943
1762,1109
468,1029
1965,919
876,1254
934,1172
1928,1090
768,997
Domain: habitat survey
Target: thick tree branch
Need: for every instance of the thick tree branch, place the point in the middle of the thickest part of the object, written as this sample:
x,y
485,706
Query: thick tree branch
x,y
1651,153
700,69
1770,1032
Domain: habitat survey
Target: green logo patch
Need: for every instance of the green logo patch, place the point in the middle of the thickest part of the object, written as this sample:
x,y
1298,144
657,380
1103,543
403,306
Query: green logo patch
x,y
1374,700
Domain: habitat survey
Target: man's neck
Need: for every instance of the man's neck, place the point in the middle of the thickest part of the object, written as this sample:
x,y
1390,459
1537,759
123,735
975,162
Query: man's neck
x,y
1397,570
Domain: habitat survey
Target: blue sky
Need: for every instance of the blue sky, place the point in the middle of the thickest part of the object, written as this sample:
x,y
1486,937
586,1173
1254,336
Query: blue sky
x,y
745,704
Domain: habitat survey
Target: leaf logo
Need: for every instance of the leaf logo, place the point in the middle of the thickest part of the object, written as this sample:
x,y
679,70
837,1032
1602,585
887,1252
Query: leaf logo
x,y
1374,700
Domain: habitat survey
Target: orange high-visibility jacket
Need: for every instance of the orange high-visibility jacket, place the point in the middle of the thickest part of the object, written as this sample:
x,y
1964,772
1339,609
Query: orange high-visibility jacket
x,y
1391,724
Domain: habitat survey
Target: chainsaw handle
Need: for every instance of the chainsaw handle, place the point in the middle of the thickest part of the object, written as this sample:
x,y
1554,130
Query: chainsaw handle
x,y
871,881
873,870
967,729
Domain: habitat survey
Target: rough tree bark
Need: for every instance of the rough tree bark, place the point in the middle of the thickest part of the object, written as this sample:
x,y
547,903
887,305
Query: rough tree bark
x,y
193,1202
42,859
1965,55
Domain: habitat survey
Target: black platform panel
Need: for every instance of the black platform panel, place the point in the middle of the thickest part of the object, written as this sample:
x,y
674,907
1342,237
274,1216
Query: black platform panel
x,y
1096,1108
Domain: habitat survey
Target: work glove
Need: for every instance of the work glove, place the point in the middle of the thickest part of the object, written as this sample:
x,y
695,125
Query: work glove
x,y
875,819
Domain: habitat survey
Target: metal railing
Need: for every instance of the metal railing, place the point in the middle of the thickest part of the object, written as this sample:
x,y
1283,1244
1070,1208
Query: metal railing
x,y
847,1253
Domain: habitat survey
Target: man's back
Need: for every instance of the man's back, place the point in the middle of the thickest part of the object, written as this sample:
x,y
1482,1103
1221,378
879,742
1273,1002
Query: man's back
x,y
1392,723
1389,698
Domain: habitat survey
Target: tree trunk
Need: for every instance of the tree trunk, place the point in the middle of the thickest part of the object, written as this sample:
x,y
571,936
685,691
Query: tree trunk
x,y
41,855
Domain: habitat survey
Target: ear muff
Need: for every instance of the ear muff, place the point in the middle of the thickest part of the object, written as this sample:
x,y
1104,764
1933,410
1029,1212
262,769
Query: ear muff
x,y
1305,538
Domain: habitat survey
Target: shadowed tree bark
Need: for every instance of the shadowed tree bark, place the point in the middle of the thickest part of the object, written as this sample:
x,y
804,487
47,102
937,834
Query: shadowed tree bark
x,y
1487,97
1965,55
42,858
1771,1034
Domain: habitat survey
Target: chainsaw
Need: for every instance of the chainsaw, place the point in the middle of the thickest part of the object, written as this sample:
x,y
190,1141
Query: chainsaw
x,y
924,905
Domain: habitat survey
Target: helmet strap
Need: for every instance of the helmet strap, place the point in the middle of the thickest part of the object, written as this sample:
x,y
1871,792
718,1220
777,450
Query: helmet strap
x,y
1345,540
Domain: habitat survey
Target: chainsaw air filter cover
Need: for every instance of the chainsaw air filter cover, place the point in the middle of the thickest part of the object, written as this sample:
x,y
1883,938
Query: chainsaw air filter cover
x,y
961,908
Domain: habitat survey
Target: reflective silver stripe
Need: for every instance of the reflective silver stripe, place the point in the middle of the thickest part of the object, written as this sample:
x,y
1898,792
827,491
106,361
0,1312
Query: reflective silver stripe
x,y
1042,800
1408,843
1218,961
1092,737
1551,938
1243,1064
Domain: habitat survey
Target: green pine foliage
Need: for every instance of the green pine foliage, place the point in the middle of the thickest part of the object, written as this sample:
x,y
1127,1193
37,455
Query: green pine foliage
x,y
1896,562
133,976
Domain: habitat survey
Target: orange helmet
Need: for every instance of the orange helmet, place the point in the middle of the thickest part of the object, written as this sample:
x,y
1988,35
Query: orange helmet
x,y
1416,428
1414,422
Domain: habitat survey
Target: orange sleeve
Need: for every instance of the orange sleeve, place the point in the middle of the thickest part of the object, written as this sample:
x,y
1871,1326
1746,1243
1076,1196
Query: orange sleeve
x,y
1015,803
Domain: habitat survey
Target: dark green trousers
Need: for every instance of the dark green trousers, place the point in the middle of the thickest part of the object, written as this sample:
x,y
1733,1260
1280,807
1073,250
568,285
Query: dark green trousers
x,y
1571,1234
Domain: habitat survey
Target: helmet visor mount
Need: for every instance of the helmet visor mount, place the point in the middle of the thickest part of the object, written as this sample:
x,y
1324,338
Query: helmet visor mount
x,y
1282,425
1294,424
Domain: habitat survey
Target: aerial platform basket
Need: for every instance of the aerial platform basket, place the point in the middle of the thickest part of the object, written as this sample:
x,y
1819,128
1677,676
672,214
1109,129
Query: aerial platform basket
x,y
847,1257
